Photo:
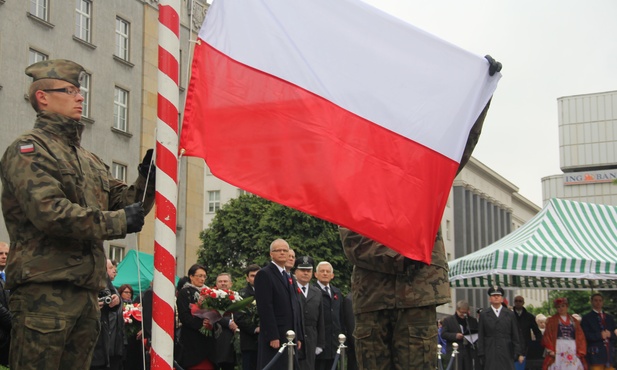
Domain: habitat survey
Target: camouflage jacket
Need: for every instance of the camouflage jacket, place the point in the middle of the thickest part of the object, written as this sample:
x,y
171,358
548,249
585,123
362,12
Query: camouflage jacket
x,y
59,203
384,279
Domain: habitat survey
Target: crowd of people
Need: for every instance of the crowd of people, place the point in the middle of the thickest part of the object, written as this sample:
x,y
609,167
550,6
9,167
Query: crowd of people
x,y
503,337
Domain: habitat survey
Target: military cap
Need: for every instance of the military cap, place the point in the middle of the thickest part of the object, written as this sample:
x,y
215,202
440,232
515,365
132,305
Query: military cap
x,y
304,263
495,290
57,69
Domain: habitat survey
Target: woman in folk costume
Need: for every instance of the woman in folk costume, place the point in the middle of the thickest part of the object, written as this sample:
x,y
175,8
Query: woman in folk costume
x,y
564,340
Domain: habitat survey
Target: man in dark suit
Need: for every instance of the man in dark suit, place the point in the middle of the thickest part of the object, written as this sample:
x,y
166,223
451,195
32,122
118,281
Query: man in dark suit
x,y
462,329
526,325
498,337
312,310
332,299
248,323
278,307
599,328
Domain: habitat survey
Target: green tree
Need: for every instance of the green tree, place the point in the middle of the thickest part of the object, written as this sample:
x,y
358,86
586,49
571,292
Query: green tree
x,y
578,301
242,230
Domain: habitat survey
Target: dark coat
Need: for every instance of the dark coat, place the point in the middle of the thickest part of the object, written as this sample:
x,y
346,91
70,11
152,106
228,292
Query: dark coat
x,y
333,318
591,324
111,339
194,346
467,351
279,311
5,325
314,327
526,324
498,341
349,322
247,325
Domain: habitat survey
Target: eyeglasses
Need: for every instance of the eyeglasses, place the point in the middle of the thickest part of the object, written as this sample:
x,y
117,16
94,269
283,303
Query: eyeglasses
x,y
66,90
280,251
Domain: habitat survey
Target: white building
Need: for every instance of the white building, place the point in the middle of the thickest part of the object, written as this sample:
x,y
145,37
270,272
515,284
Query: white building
x,y
587,150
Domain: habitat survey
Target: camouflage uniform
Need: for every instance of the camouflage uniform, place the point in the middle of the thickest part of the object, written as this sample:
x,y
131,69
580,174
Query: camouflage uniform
x,y
59,203
394,298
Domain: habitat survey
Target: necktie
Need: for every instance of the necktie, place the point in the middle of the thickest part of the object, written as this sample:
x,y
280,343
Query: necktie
x,y
328,291
304,290
2,275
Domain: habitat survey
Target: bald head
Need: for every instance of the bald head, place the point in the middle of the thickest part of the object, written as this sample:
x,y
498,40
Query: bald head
x,y
4,253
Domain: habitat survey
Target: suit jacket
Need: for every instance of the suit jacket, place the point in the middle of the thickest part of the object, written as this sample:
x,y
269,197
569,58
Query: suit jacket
x,y
279,311
333,318
498,339
247,324
314,327
591,324
450,327
526,324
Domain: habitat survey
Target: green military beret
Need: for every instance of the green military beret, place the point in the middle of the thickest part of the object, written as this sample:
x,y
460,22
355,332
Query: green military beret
x,y
57,69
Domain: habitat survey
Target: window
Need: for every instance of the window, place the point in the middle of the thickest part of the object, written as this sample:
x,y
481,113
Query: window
x,y
122,39
35,56
38,8
118,171
242,192
83,19
121,109
214,201
85,92
116,253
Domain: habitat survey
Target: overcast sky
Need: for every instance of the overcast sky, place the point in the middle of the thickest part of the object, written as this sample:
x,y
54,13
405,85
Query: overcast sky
x,y
548,48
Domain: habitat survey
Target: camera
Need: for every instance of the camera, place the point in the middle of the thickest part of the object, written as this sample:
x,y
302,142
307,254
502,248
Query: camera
x,y
105,296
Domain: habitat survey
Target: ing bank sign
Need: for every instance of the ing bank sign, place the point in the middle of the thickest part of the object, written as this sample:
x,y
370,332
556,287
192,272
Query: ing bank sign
x,y
592,177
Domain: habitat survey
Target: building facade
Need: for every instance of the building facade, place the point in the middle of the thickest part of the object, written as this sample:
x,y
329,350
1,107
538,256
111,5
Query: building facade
x,y
587,150
116,41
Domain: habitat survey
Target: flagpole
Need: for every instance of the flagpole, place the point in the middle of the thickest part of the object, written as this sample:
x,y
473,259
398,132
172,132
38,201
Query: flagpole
x,y
163,318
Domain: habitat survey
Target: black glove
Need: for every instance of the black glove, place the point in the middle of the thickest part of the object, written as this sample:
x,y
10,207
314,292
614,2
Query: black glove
x,y
146,166
493,65
135,215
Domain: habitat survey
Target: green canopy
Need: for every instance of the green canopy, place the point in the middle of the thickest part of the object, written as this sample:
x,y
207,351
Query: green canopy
x,y
567,245
129,270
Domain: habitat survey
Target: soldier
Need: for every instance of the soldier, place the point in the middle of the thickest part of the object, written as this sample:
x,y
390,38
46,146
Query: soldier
x,y
395,298
60,202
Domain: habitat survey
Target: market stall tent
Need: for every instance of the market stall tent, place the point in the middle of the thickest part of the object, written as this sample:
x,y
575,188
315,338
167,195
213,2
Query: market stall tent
x,y
136,268
567,245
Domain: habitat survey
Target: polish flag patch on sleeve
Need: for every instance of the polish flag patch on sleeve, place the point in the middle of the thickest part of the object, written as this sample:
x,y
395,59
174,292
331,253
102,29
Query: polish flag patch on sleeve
x,y
25,148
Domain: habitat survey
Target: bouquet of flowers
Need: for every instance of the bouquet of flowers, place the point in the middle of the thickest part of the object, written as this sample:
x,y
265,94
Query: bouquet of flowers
x,y
213,303
132,319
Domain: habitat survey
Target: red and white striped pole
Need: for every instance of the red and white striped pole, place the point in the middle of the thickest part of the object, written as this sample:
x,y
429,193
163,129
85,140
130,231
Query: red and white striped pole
x,y
162,353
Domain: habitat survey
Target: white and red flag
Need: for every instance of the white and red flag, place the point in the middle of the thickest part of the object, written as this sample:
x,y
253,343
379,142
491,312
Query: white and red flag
x,y
336,109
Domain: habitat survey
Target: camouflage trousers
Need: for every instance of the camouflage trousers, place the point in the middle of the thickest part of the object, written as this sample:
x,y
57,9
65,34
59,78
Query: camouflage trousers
x,y
55,326
397,339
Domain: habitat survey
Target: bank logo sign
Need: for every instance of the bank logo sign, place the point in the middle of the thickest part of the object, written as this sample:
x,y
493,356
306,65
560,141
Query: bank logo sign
x,y
591,177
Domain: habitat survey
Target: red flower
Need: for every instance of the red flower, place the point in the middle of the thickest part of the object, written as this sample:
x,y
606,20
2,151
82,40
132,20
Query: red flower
x,y
335,297
232,297
290,281
299,291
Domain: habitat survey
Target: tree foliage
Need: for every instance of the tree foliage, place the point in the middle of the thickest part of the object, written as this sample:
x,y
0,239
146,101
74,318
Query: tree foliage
x,y
242,230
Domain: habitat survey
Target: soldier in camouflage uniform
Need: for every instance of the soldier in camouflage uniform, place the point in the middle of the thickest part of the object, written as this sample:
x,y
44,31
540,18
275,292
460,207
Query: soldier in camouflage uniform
x,y
59,203
394,298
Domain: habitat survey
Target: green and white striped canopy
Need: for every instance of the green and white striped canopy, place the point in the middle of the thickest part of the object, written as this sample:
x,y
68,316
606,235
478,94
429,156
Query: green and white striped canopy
x,y
567,245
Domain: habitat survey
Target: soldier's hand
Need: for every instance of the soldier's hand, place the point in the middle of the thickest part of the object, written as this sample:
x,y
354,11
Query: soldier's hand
x,y
493,65
146,166
135,215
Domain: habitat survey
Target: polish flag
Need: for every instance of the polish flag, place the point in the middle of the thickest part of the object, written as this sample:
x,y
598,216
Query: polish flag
x,y
336,109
